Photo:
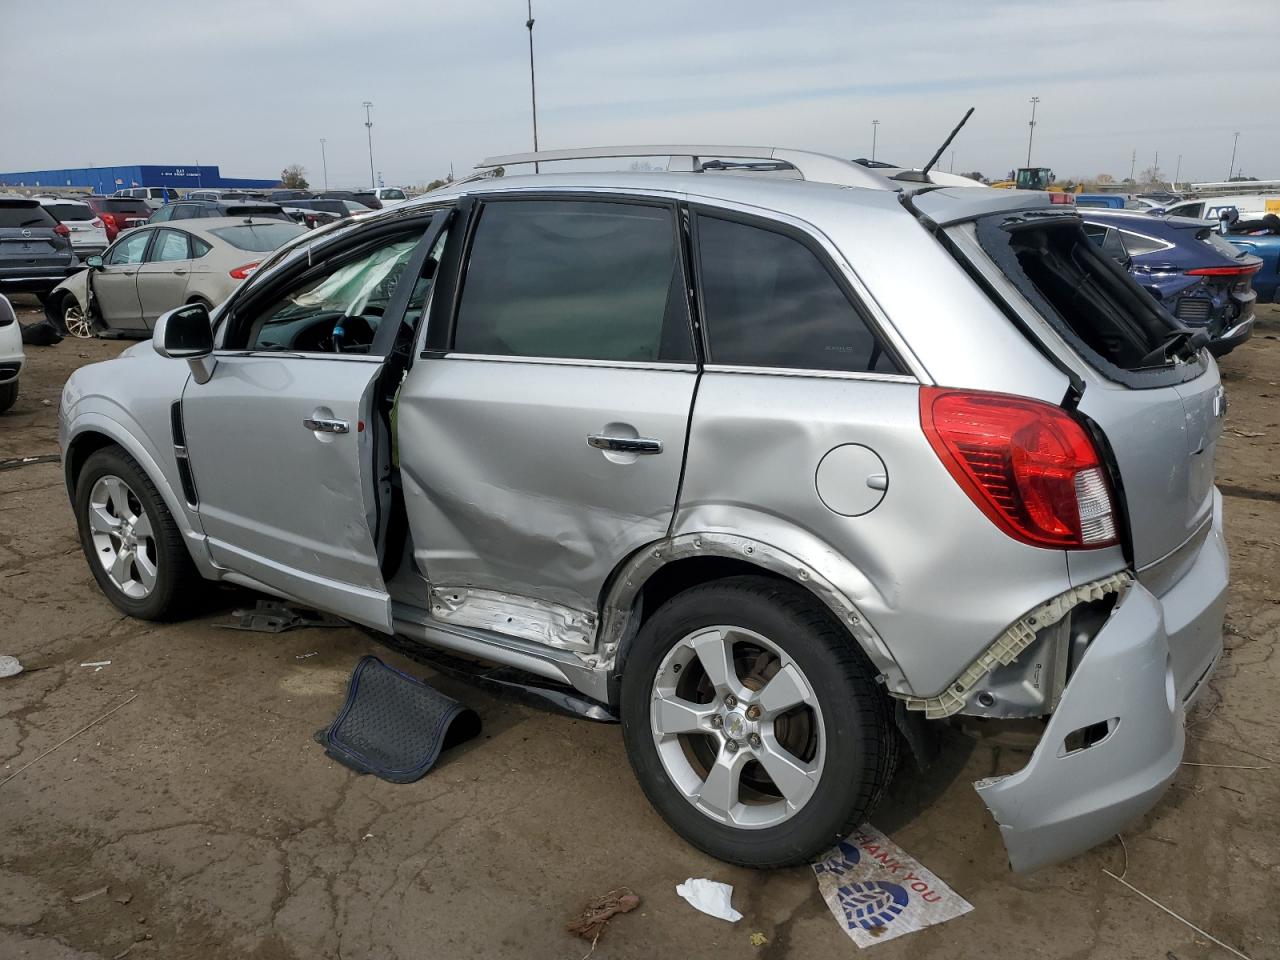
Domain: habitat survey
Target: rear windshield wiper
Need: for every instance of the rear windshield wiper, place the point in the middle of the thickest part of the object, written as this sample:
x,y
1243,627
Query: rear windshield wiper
x,y
1186,342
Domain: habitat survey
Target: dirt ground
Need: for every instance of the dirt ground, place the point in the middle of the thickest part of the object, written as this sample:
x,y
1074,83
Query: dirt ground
x,y
221,830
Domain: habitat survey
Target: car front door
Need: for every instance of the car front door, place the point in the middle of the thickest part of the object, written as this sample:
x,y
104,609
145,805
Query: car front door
x,y
542,433
284,439
115,286
162,278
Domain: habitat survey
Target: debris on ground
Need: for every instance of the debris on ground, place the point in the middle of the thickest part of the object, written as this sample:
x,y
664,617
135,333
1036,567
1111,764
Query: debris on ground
x,y
123,899
12,463
758,939
307,656
274,616
9,667
711,897
591,922
88,895
97,664
64,742
878,891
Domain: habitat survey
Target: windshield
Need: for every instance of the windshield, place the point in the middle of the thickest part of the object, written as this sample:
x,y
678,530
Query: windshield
x,y
1034,178
259,237
69,211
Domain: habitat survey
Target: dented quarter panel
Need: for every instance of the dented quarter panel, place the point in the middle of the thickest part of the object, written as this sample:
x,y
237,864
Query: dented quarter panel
x,y
754,448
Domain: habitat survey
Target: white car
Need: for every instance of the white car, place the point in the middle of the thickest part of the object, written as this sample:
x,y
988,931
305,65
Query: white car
x,y
11,356
88,234
1250,206
390,196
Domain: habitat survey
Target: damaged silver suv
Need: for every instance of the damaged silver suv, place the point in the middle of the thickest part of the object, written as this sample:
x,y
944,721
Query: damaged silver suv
x,y
772,456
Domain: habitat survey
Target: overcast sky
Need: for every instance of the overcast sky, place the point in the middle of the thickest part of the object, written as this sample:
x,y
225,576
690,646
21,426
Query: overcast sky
x,y
252,85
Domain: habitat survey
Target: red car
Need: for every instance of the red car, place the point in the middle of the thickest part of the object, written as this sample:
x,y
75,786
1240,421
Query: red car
x,y
119,213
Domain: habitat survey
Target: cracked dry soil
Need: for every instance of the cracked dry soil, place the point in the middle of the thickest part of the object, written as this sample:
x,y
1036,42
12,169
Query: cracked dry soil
x,y
222,831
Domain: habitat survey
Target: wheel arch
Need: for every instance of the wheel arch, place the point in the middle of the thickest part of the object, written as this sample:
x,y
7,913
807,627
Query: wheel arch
x,y
657,572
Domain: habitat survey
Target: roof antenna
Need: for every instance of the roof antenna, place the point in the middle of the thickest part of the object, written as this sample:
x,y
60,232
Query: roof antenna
x,y
922,176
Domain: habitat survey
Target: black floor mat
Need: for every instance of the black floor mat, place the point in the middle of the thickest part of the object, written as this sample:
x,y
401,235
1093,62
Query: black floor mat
x,y
394,725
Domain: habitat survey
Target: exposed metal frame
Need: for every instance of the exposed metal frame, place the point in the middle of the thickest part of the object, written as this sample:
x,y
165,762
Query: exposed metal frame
x,y
687,158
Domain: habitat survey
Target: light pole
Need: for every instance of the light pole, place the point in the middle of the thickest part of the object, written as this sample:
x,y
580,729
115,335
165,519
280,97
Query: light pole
x,y
1177,173
324,162
875,126
368,126
1231,171
533,88
1032,130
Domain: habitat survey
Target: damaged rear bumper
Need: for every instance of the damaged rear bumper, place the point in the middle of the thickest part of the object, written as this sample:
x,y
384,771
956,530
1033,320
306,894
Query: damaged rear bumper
x,y
1115,741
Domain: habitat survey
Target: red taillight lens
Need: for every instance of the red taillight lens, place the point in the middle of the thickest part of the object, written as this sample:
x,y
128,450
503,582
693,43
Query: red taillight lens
x,y
108,219
62,230
1243,271
1062,198
1028,466
243,271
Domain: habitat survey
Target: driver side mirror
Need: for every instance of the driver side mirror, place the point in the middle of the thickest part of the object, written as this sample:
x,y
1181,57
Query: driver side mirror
x,y
186,333
94,262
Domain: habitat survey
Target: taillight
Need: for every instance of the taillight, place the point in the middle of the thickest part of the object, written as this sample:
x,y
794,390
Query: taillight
x,y
109,220
243,271
1030,467
62,230
1056,197
1242,271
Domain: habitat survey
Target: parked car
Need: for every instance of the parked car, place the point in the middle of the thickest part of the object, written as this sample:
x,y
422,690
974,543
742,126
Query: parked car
x,y
1193,271
35,249
11,354
1247,206
1261,238
736,482
280,196
156,268
1115,201
387,196
153,197
88,235
339,208
254,195
368,198
194,209
119,213
309,218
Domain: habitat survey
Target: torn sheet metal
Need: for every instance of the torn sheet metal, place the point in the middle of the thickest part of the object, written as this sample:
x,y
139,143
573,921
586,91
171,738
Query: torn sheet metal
x,y
1012,642
877,891
525,617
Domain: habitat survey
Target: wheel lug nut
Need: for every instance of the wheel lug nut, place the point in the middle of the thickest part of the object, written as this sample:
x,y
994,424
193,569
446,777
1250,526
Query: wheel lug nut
x,y
717,721
730,701
753,712
731,746
754,739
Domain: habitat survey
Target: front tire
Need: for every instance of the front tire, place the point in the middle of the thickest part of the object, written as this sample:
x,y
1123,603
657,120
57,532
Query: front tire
x,y
74,319
754,723
134,548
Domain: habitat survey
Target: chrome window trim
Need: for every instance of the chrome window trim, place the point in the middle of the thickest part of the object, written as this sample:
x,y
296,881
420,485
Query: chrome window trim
x,y
300,355
574,362
806,372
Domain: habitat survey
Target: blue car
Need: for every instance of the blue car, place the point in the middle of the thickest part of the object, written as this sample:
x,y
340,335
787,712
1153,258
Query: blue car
x,y
1195,272
1262,239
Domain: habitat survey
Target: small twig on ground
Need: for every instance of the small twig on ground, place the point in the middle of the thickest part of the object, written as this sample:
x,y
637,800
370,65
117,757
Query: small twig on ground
x,y
68,740
1222,766
1232,746
1156,903
1124,848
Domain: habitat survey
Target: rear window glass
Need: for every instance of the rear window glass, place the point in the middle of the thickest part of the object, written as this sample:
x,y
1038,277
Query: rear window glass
x,y
24,215
770,302
63,212
393,195
255,210
259,237
123,205
1074,286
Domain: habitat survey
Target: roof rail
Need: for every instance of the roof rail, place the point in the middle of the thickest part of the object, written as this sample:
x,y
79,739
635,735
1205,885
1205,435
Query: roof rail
x,y
686,158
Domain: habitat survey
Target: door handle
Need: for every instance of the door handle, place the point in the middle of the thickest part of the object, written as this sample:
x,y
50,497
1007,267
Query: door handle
x,y
625,444
323,425
180,273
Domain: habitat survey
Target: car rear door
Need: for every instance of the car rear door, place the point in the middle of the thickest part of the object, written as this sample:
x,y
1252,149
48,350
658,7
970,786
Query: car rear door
x,y
287,458
115,286
163,276
542,434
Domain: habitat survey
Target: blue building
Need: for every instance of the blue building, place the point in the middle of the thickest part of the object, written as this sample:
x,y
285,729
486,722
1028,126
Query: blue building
x,y
111,179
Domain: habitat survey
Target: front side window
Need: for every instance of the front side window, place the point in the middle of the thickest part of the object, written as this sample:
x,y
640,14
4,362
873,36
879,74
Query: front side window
x,y
337,311
170,245
574,279
770,302
130,249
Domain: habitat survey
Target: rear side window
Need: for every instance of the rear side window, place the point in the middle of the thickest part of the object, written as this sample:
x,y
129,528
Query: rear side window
x,y
595,280
1137,244
24,215
770,302
259,237
63,212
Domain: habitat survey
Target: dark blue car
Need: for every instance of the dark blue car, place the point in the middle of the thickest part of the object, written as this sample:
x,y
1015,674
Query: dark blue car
x,y
1195,272
1262,239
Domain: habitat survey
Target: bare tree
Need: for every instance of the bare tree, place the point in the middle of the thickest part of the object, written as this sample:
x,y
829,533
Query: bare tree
x,y
294,176
1104,178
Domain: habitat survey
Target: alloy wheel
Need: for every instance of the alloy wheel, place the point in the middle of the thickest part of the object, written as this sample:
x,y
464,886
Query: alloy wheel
x,y
76,322
738,727
123,539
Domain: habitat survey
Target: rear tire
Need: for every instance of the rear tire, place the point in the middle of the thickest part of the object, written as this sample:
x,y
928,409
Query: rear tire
x,y
134,548
814,744
8,395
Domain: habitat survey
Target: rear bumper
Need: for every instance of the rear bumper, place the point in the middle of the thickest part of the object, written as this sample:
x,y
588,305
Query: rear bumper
x,y
1140,673
35,279
1231,338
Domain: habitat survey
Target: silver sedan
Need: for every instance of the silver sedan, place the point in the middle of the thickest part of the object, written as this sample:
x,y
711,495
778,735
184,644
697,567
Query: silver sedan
x,y
156,268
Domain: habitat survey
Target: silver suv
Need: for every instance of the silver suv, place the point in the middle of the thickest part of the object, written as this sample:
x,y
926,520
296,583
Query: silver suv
x,y
781,460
